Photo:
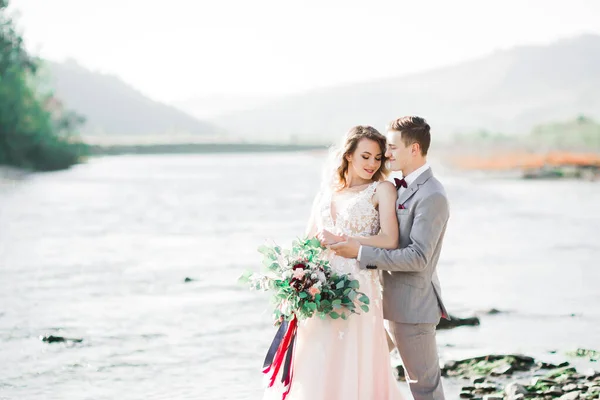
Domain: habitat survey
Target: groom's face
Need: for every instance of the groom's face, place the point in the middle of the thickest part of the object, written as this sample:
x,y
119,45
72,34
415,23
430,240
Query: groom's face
x,y
398,154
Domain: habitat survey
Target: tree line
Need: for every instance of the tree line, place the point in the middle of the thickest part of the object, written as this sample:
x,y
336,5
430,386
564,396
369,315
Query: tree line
x,y
36,131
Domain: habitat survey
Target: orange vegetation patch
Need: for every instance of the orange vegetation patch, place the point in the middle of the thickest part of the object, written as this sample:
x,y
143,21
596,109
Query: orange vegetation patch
x,y
527,160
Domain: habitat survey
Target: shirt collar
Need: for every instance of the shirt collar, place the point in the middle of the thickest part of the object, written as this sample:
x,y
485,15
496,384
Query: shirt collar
x,y
415,174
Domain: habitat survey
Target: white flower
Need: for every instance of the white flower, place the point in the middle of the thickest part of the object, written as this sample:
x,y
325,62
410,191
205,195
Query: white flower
x,y
299,273
285,307
283,262
321,276
287,274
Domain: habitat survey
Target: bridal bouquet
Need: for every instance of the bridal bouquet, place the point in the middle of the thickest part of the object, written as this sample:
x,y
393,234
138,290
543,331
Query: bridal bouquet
x,y
303,284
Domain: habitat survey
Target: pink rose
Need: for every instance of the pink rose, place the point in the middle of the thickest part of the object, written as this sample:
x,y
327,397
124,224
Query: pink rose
x,y
313,291
299,273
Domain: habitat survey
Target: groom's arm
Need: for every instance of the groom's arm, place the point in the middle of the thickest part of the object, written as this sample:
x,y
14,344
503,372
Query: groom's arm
x,y
431,216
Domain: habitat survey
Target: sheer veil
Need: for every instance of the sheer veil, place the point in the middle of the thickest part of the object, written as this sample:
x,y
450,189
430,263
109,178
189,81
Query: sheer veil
x,y
328,179
329,170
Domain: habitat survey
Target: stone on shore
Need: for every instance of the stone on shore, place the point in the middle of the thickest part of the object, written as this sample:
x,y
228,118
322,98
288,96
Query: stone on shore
x,y
514,388
488,365
59,339
455,322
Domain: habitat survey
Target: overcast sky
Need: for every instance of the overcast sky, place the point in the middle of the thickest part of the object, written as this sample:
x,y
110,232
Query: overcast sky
x,y
180,49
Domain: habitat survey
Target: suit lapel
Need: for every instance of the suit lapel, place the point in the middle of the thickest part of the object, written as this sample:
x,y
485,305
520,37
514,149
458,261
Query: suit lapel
x,y
412,189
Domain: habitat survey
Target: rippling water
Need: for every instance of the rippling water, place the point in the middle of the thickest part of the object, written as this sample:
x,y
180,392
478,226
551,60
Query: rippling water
x,y
100,252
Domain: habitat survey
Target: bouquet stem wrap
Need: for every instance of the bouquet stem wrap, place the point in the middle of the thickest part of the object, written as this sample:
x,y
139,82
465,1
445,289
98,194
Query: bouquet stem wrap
x,y
281,352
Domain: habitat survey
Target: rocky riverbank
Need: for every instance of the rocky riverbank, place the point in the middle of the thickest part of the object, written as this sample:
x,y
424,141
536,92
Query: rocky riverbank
x,y
515,376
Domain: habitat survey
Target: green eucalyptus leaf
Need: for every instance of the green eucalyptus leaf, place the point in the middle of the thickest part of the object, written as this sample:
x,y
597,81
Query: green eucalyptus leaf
x,y
245,277
264,250
314,242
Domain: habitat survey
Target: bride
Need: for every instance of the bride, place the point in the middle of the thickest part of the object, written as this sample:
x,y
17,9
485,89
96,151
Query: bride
x,y
336,359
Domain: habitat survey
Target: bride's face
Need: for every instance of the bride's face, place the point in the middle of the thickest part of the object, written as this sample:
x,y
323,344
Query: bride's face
x,y
366,159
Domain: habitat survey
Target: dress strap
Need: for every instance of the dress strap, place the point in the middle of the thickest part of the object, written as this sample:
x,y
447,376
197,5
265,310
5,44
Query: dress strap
x,y
370,190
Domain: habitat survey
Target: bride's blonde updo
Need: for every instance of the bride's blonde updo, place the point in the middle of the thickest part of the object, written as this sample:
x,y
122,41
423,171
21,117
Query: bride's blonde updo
x,y
355,135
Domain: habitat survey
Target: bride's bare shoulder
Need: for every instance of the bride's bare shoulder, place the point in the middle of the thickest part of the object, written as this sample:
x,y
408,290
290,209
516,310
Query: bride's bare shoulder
x,y
385,192
386,188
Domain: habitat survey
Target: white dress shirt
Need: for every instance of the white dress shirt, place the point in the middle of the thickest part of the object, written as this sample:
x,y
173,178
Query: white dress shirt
x,y
409,180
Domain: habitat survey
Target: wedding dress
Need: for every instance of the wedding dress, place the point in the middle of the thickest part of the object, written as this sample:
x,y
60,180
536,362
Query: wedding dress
x,y
336,359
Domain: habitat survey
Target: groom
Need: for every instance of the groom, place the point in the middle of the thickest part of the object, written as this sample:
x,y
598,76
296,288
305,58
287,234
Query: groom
x,y
412,300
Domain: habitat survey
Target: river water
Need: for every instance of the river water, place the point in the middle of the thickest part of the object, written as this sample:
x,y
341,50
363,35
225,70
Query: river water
x,y
101,251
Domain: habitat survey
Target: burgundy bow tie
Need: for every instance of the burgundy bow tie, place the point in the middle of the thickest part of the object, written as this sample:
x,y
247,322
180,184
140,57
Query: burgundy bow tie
x,y
400,182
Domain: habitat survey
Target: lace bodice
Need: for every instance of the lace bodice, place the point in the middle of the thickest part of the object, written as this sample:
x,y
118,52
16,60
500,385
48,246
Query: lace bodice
x,y
349,213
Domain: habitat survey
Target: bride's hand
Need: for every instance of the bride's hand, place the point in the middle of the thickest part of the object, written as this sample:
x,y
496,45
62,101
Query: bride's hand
x,y
327,238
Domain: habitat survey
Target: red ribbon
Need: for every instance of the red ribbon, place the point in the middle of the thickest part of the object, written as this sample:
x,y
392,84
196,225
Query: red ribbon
x,y
283,356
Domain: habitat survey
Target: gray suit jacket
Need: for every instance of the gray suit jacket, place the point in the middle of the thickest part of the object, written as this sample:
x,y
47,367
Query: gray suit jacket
x,y
411,288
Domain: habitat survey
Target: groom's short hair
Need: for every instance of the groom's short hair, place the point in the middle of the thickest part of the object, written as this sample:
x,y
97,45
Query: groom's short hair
x,y
413,130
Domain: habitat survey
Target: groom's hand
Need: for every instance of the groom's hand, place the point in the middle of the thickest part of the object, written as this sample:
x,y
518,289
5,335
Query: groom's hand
x,y
347,249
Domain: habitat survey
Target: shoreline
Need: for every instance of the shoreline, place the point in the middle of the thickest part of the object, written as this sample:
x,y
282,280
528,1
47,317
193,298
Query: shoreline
x,y
11,174
198,148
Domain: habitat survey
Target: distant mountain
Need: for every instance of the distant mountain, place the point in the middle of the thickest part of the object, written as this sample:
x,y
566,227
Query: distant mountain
x,y
112,107
508,91
215,105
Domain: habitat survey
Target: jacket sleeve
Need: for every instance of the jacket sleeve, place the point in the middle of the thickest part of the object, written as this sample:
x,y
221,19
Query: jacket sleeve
x,y
431,216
